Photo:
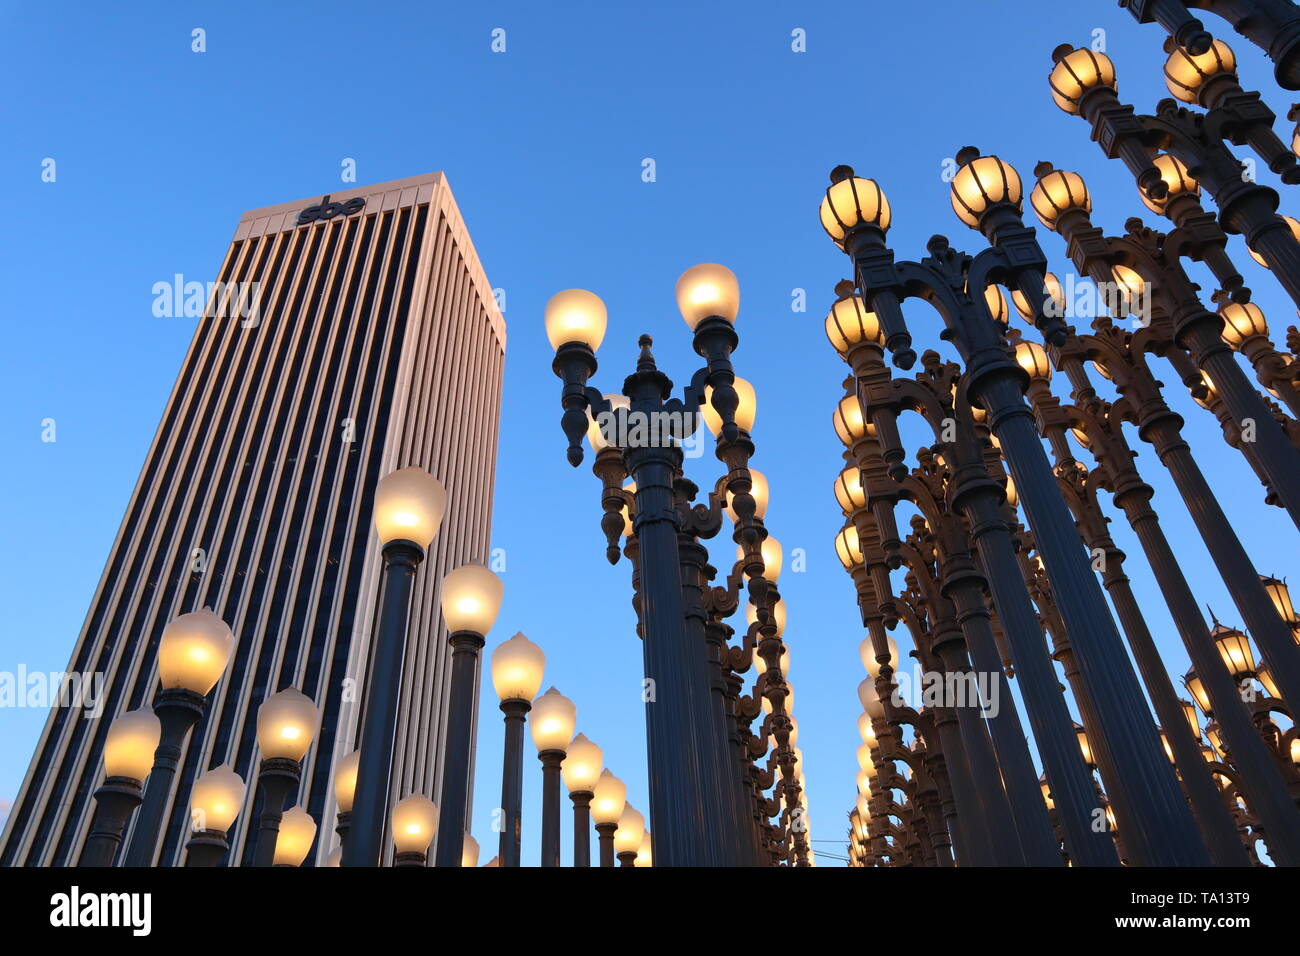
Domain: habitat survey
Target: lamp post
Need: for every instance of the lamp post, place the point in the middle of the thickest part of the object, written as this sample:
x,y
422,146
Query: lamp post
x,y
553,718
609,798
294,838
415,825
287,723
471,599
581,769
628,835
409,506
691,767
128,755
192,655
517,668
215,801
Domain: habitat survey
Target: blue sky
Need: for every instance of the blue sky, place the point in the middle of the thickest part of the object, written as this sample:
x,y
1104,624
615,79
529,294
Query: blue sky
x,y
159,149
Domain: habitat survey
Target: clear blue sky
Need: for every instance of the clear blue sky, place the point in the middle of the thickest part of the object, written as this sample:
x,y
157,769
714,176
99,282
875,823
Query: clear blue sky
x,y
159,149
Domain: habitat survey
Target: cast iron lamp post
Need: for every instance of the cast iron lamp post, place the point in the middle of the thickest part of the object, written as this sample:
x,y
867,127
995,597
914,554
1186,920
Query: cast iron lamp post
x,y
287,723
582,767
471,599
409,506
517,668
986,196
610,796
215,801
415,825
552,725
128,756
294,838
192,655
1272,25
628,836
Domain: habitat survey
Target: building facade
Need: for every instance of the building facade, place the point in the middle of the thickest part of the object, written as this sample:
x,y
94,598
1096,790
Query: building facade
x,y
347,336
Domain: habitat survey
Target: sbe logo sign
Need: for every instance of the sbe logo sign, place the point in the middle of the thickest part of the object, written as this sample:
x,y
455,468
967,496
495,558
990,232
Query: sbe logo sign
x,y
328,210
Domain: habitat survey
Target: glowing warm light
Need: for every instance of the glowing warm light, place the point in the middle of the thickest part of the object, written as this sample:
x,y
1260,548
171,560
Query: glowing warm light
x,y
849,323
848,548
286,724
1076,73
575,315
409,505
1056,193
415,823
707,291
345,781
552,721
853,202
129,747
770,551
630,832
609,798
193,651
216,798
746,411
582,766
517,667
1186,74
868,655
983,182
297,833
471,599
758,491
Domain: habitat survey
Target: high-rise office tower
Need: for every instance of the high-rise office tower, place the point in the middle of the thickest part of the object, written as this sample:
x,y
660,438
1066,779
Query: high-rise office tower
x,y
347,336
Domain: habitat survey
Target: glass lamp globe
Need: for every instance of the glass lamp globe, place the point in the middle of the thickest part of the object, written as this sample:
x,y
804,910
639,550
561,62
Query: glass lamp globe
x,y
1055,305
644,855
1185,74
552,722
297,833
469,855
1085,746
409,505
1242,321
746,411
770,550
576,315
778,615
130,744
193,651
708,291
981,183
216,799
345,781
850,425
286,725
868,654
517,668
848,547
1032,357
870,699
471,599
630,832
610,796
852,202
598,429
865,763
1056,193
849,323
1076,73
582,765
865,730
415,823
1280,595
1234,648
1176,178
758,491
849,491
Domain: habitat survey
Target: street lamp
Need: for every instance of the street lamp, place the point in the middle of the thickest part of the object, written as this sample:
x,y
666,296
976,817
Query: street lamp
x,y
215,801
294,839
192,655
128,755
610,796
628,835
415,824
552,725
408,510
581,770
1234,648
287,723
471,599
517,668
469,856
645,855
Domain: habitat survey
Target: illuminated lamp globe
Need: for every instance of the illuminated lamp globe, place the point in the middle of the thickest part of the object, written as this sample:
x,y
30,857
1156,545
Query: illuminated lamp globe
x,y
708,291
576,315
193,651
129,747
409,505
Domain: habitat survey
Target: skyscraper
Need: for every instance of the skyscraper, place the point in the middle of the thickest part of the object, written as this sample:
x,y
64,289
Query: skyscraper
x,y
347,336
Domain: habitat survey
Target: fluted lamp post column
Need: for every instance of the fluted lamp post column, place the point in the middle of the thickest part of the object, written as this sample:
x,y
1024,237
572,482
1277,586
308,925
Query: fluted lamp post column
x,y
295,837
192,656
552,725
581,769
345,790
215,801
606,808
128,755
287,723
517,668
409,506
415,824
628,835
471,599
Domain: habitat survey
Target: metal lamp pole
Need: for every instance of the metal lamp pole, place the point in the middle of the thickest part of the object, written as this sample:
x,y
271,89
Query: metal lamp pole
x,y
115,801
